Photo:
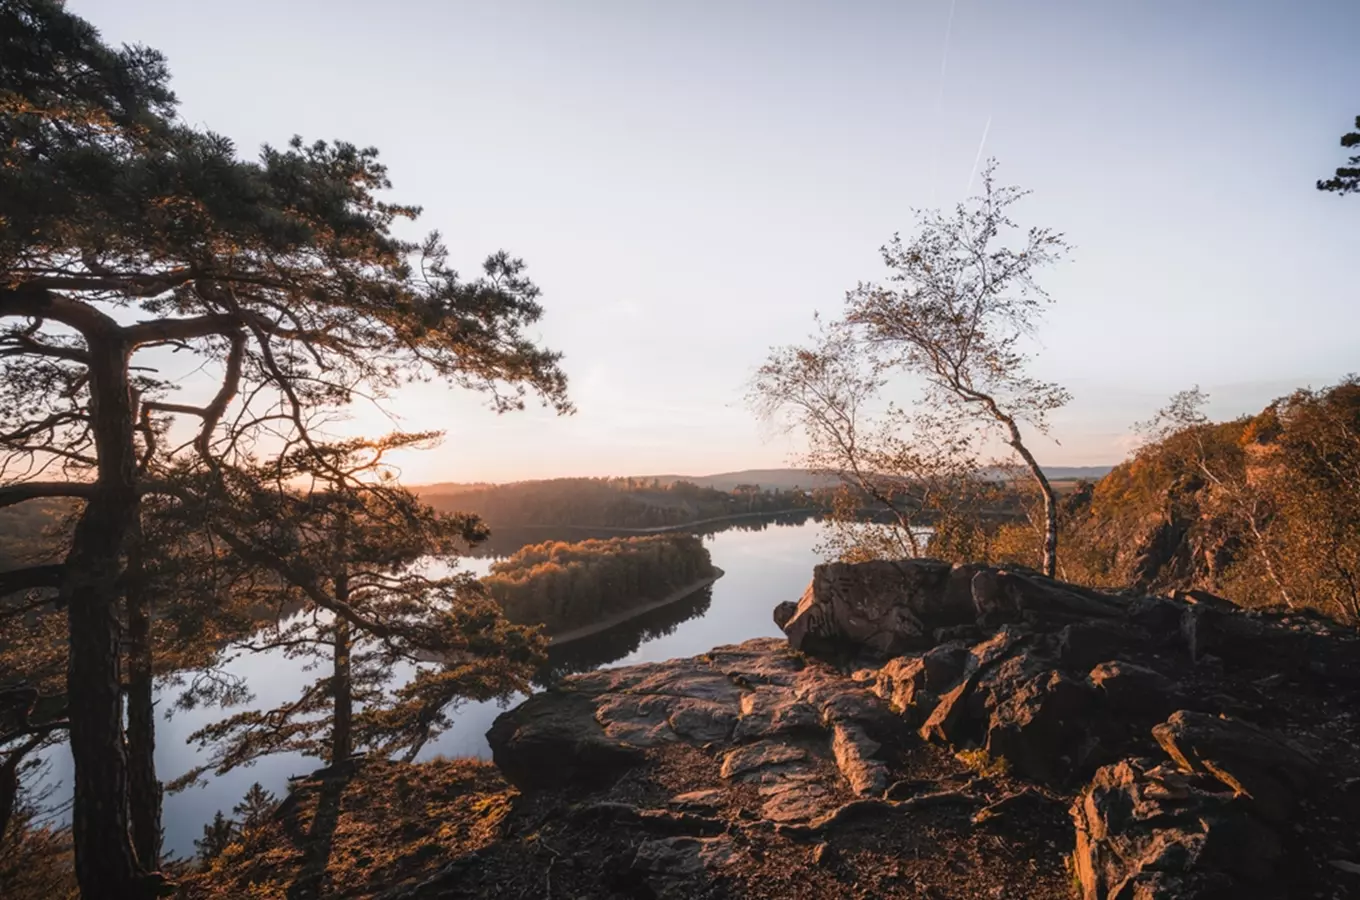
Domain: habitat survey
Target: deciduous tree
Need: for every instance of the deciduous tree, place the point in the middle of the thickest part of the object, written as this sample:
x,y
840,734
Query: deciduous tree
x,y
961,297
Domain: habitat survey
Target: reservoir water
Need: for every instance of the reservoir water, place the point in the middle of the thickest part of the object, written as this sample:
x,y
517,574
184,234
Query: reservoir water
x,y
764,562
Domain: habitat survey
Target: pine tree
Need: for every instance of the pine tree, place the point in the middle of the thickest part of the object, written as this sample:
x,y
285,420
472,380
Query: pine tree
x,y
218,835
122,229
255,809
1347,177
355,552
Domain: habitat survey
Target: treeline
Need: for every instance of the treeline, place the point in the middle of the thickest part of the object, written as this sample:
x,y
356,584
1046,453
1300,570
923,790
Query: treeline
x,y
608,502
564,586
1262,510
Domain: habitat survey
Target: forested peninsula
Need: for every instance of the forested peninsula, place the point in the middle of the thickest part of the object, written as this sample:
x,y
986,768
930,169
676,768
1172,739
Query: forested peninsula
x,y
566,586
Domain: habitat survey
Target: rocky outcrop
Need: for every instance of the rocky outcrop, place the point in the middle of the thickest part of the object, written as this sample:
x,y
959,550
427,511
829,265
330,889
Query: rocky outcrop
x,y
1156,832
804,737
1175,741
879,607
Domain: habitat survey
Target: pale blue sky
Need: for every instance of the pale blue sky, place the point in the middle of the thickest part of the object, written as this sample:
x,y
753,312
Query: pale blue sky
x,y
689,182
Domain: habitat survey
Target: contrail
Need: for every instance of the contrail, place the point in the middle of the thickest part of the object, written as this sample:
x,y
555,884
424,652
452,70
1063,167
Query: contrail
x,y
976,159
939,97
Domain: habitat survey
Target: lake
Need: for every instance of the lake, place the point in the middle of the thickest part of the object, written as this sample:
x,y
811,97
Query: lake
x,y
764,563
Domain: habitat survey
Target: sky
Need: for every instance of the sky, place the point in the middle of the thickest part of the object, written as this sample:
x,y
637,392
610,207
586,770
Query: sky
x,y
690,182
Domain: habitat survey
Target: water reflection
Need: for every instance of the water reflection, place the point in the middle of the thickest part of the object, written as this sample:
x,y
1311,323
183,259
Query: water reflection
x,y
615,643
505,541
764,561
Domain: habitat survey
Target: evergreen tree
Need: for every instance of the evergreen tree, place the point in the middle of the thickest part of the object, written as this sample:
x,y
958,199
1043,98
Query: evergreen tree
x,y
1347,177
255,808
356,553
122,230
218,835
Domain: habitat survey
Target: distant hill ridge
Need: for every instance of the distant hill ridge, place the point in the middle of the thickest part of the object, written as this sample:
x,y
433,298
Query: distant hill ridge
x,y
769,479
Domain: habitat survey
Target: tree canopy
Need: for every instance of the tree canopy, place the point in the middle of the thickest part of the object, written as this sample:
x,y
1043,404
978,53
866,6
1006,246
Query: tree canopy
x,y
126,235
1347,177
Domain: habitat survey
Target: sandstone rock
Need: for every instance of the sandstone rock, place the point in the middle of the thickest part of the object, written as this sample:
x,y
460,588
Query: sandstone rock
x,y
1037,724
553,739
1156,833
944,664
1130,688
1159,616
950,721
1081,645
676,862
880,607
911,684
783,611
762,661
1251,761
854,752
706,799
795,799
771,711
761,760
702,721
1001,596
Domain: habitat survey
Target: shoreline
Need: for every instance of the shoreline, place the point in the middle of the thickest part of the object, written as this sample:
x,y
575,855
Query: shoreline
x,y
659,529
575,634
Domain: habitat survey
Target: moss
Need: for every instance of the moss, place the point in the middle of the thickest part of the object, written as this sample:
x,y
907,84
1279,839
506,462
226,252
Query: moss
x,y
983,763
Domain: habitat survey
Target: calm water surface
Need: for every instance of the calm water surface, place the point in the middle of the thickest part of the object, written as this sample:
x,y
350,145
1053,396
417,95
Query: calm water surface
x,y
763,566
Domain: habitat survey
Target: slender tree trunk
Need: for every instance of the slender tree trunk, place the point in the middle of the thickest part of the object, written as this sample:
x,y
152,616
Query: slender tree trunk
x,y
342,741
1050,561
105,864
144,789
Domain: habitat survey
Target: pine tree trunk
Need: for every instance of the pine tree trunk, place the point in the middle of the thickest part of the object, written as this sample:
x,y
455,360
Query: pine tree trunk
x,y
105,864
342,688
144,789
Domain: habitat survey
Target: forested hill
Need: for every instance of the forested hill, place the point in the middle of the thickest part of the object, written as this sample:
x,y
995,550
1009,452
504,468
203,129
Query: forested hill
x,y
608,502
767,479
1260,510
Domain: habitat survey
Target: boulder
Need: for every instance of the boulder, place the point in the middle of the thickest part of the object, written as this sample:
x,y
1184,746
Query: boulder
x,y
1000,595
1127,688
1081,645
1157,833
1261,765
1037,724
884,608
552,739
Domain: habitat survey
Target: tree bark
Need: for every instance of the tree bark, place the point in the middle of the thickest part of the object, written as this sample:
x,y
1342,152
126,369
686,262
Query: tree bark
x,y
342,740
1050,561
105,864
144,797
